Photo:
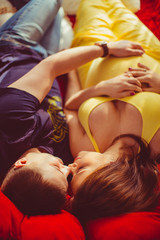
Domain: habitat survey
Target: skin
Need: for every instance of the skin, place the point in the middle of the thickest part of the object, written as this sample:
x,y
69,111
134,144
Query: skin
x,y
118,116
39,80
84,164
87,161
146,76
51,168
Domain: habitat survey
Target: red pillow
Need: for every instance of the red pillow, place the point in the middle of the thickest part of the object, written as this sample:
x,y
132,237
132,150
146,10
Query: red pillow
x,y
14,225
49,227
133,226
10,219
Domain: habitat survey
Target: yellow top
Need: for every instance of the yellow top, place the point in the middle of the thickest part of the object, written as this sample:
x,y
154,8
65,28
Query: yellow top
x,y
110,20
147,103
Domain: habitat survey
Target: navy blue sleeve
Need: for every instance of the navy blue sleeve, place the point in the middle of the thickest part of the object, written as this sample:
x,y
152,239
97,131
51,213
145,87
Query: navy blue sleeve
x,y
17,109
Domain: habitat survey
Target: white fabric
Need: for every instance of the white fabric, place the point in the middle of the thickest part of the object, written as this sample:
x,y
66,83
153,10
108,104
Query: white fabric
x,y
66,32
71,6
133,5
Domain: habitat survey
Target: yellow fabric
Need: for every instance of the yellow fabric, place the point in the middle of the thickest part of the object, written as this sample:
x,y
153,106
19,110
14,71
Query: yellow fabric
x,y
110,20
147,103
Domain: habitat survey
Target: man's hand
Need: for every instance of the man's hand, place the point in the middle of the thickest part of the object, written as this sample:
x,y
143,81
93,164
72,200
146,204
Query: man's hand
x,y
124,48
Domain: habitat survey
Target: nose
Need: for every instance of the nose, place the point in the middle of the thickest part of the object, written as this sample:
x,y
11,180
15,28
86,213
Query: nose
x,y
60,160
73,167
66,170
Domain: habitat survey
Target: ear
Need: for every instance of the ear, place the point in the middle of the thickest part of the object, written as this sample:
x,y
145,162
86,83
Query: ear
x,y
20,163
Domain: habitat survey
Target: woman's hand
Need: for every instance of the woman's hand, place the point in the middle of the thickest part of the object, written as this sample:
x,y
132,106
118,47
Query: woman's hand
x,y
149,79
124,48
120,86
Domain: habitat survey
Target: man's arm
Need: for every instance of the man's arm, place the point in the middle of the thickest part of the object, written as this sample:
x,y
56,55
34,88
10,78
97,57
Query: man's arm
x,y
39,80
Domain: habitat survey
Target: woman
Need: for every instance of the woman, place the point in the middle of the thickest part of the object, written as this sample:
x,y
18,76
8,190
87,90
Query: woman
x,y
117,177
117,171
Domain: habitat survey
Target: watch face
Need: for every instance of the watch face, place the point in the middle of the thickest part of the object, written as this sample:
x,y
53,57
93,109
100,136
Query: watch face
x,y
104,43
101,43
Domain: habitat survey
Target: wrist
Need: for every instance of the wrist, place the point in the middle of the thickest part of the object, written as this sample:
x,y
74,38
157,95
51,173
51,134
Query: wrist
x,y
101,89
104,46
112,48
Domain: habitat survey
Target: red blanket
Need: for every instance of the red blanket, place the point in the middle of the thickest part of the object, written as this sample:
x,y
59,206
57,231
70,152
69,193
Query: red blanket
x,y
149,14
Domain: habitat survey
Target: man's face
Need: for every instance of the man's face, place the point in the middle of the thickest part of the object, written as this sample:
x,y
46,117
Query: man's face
x,y
51,168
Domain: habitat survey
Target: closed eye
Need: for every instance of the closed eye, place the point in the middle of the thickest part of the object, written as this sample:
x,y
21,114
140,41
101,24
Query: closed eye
x,y
80,169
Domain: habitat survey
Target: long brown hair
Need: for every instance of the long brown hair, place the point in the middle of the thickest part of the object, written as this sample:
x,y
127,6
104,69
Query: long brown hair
x,y
129,184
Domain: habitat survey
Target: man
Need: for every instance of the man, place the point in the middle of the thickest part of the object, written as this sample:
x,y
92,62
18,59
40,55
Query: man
x,y
32,123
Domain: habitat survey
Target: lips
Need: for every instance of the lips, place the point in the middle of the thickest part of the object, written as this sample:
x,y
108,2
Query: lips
x,y
67,171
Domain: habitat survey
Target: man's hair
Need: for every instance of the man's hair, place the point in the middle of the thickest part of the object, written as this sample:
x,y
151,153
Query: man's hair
x,y
129,184
31,194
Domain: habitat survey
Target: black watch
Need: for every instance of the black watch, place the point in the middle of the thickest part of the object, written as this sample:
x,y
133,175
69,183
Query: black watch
x,y
104,45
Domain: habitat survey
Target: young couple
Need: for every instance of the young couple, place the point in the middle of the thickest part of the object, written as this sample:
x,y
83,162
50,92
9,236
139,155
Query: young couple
x,y
114,171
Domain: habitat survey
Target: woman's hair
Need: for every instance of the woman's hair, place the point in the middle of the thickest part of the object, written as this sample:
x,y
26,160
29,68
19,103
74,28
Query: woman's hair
x,y
31,194
129,184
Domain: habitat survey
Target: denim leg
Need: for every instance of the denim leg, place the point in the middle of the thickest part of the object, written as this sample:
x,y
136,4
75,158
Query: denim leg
x,y
51,38
29,24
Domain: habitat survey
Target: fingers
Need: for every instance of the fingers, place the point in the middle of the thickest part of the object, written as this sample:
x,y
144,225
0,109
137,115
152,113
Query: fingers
x,y
135,52
132,84
126,94
132,79
134,87
143,79
128,74
137,46
138,73
143,66
135,81
149,89
137,69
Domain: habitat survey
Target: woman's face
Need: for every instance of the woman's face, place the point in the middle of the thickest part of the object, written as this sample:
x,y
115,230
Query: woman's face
x,y
85,163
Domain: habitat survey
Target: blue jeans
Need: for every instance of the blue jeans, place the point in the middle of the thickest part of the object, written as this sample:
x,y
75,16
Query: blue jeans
x,y
36,25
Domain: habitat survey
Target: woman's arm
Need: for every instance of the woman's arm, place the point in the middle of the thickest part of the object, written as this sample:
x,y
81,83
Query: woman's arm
x,y
39,80
120,86
73,84
77,136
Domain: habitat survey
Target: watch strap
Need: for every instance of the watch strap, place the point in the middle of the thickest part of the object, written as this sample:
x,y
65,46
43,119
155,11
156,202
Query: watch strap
x,y
104,45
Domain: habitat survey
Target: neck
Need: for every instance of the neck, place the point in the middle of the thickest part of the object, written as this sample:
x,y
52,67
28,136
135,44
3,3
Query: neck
x,y
123,145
